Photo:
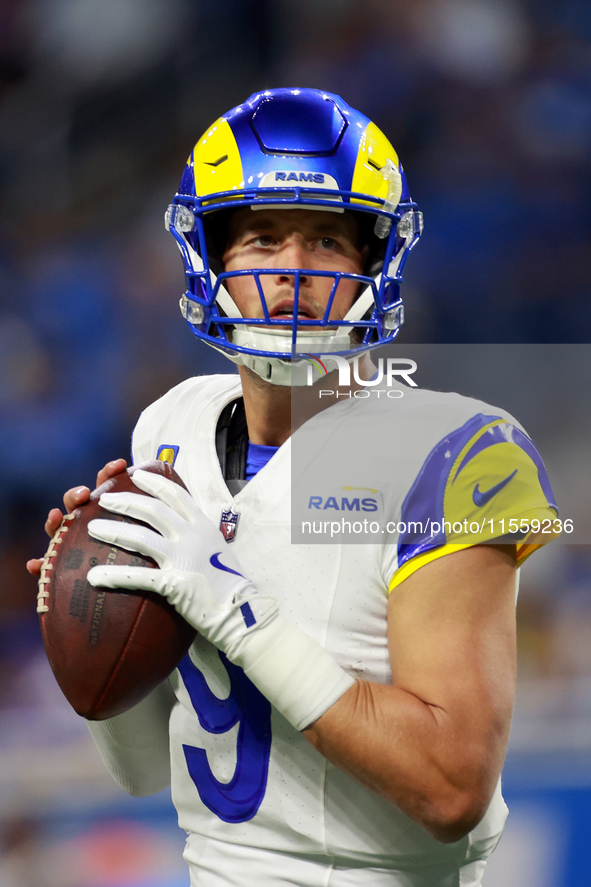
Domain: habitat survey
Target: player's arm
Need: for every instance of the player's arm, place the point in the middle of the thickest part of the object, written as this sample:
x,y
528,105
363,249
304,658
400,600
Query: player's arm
x,y
135,745
434,742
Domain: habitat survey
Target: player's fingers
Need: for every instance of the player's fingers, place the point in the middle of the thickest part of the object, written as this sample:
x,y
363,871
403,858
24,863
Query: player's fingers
x,y
141,578
74,497
145,508
131,537
172,494
117,466
34,566
54,519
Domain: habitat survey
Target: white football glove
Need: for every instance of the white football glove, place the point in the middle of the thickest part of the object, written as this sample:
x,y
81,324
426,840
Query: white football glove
x,y
198,574
202,579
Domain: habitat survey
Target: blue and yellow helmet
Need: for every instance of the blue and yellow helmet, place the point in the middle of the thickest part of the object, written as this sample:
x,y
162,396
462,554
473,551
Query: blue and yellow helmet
x,y
293,148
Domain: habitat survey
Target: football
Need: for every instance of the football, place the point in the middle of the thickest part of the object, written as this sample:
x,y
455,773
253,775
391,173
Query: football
x,y
107,649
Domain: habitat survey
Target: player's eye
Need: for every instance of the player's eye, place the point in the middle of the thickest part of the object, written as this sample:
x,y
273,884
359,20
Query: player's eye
x,y
327,243
263,240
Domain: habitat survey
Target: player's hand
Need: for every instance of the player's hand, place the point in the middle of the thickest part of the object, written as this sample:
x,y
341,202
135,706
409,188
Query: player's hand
x,y
202,579
199,574
74,497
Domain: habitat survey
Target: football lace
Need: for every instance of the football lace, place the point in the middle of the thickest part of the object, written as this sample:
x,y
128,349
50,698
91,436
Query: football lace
x,y
44,579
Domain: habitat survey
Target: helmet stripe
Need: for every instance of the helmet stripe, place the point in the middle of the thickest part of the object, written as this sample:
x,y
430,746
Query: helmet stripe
x,y
216,161
374,150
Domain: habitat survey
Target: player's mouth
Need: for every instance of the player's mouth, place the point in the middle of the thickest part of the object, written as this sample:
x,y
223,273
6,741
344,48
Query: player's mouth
x,y
284,311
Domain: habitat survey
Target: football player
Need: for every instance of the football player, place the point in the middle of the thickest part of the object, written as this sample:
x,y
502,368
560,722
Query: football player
x,y
343,715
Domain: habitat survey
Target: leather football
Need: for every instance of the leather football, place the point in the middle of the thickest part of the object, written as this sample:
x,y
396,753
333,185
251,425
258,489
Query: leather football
x,y
108,649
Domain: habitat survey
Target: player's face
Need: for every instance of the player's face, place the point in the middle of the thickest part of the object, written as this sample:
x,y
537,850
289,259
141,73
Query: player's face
x,y
298,239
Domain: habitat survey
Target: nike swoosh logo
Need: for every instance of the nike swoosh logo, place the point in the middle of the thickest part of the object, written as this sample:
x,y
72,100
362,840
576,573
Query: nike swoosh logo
x,y
479,498
215,562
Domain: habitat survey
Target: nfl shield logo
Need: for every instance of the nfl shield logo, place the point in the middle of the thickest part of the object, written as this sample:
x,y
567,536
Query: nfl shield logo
x,y
229,524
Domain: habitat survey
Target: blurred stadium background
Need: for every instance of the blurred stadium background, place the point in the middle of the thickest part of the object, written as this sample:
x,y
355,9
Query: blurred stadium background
x,y
489,105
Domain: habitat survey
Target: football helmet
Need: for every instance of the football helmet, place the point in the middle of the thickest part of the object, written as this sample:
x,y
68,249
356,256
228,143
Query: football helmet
x,y
290,149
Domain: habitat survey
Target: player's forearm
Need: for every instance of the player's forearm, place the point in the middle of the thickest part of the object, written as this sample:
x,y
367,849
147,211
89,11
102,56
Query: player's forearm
x,y
134,746
440,772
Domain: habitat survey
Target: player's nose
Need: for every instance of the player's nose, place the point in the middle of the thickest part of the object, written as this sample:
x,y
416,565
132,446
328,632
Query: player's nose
x,y
294,253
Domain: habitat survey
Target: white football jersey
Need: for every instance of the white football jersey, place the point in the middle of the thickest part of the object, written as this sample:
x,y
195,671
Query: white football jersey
x,y
241,774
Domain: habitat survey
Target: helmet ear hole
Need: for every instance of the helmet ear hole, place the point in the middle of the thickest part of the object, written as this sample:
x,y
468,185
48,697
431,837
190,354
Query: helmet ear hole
x,y
217,228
